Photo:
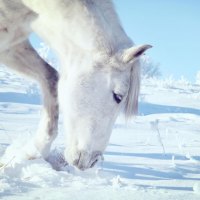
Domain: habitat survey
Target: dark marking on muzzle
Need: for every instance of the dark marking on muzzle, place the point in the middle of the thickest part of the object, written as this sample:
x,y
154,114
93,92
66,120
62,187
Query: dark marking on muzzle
x,y
87,160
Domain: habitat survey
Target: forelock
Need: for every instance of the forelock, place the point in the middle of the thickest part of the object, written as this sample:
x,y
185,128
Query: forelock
x,y
131,106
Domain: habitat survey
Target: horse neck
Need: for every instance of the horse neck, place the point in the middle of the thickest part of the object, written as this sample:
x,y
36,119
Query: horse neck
x,y
89,25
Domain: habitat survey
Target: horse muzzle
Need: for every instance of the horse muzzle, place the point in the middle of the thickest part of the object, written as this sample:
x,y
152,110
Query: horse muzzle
x,y
86,160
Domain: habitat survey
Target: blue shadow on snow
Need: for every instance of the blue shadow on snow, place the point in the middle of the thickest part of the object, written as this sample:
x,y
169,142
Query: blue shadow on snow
x,y
20,98
149,108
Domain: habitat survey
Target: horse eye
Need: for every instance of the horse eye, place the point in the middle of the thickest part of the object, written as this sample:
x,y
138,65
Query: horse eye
x,y
117,97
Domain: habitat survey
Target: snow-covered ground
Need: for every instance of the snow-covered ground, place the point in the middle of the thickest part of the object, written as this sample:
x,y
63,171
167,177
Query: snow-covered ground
x,y
155,156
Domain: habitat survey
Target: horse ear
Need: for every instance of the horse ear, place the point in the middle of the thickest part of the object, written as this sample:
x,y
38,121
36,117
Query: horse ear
x,y
134,52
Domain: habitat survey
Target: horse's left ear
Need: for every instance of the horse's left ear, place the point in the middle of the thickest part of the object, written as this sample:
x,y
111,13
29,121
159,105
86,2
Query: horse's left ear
x,y
134,52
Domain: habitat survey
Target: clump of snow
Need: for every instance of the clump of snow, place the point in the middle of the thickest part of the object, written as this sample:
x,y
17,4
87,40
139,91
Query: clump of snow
x,y
149,69
196,188
169,82
22,148
117,182
57,160
173,161
3,185
198,78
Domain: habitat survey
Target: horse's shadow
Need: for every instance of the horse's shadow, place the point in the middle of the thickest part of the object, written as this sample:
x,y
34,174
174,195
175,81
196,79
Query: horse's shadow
x,y
143,172
149,108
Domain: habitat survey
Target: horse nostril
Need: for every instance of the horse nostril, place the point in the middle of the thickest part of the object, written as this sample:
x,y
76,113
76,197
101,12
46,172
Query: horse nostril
x,y
96,157
92,165
77,161
85,159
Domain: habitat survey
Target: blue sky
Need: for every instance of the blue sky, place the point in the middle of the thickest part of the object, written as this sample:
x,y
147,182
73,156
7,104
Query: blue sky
x,y
171,26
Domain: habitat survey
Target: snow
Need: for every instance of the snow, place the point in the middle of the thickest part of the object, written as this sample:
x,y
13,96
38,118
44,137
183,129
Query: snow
x,y
155,156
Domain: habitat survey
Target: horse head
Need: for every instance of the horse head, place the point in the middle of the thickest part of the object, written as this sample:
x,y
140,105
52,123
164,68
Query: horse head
x,y
91,95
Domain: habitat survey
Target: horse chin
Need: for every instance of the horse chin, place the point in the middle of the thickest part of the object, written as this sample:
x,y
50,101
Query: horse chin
x,y
84,160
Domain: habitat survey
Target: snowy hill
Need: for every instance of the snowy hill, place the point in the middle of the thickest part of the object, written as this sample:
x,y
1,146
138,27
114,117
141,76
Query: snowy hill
x,y
155,156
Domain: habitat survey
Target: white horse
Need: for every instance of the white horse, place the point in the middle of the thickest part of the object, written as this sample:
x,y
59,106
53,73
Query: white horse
x,y
99,72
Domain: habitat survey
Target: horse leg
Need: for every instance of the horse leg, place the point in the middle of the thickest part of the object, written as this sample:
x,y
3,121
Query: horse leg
x,y
24,59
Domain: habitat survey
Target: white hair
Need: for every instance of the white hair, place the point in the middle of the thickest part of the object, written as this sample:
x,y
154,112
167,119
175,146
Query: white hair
x,y
131,106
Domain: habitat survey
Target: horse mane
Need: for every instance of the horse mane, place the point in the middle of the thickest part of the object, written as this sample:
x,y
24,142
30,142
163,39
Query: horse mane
x,y
105,26
131,105
123,41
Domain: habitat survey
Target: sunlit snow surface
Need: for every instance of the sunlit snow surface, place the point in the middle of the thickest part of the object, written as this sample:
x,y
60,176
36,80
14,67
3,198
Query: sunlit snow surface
x,y
155,156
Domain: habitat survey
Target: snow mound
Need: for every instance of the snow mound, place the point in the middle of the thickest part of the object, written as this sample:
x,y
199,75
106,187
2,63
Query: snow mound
x,y
21,149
